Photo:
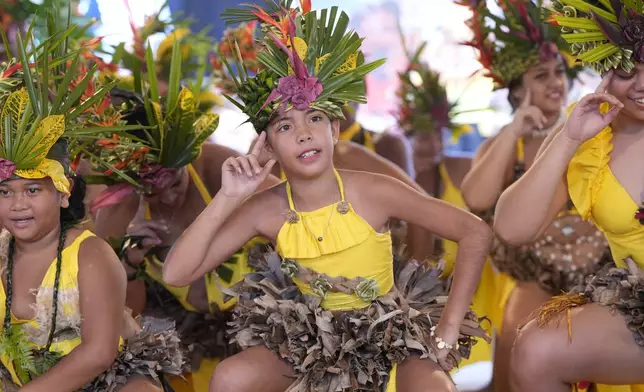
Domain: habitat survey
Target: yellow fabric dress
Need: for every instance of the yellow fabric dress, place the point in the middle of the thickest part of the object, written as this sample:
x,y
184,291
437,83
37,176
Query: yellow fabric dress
x,y
598,195
350,247
69,316
493,290
237,267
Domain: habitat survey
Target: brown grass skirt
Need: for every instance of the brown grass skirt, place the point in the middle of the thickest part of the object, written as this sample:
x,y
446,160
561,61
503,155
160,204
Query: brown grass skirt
x,y
345,350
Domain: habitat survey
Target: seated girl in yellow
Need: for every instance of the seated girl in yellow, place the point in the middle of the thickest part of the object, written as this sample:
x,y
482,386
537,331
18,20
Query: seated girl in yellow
x,y
62,288
352,321
596,160
164,181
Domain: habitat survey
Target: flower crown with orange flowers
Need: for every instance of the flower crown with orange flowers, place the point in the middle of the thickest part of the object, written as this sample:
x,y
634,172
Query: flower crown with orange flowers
x,y
310,60
244,35
149,159
509,45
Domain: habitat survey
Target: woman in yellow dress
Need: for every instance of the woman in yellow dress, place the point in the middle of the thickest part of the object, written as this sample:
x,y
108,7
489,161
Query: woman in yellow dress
x,y
527,62
425,114
65,325
594,159
325,314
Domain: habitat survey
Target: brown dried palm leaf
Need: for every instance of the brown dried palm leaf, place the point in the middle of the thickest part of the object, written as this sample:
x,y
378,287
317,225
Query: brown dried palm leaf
x,y
621,289
151,353
344,350
202,335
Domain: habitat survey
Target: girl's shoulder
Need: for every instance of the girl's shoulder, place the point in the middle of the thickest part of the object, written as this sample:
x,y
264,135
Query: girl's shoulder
x,y
364,184
270,200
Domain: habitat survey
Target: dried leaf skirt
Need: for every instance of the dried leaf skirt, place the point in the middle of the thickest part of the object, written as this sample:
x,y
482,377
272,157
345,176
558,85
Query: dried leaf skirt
x,y
202,335
568,252
153,353
345,350
621,289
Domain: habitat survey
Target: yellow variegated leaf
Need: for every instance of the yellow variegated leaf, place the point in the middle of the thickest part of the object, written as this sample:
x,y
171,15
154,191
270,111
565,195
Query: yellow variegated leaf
x,y
165,47
206,123
48,168
319,61
301,48
157,112
186,100
15,107
49,131
350,63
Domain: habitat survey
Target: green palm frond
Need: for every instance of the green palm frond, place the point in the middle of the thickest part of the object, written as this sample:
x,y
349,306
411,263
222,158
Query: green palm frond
x,y
329,50
245,14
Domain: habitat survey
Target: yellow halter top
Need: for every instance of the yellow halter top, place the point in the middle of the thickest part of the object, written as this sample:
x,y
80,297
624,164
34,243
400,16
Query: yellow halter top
x,y
350,247
69,316
226,275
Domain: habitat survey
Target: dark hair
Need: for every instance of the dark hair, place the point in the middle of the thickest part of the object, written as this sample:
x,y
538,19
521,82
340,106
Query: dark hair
x,y
135,114
512,86
75,213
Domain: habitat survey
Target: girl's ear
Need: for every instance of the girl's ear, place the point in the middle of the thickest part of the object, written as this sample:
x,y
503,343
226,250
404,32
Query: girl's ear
x,y
268,152
335,131
64,199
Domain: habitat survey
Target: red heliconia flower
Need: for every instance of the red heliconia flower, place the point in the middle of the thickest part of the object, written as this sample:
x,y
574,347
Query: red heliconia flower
x,y
305,6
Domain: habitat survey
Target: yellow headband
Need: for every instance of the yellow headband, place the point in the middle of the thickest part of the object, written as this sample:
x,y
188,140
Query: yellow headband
x,y
48,168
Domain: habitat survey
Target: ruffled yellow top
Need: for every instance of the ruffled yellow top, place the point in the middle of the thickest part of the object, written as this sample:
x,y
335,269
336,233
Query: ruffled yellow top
x,y
350,248
598,195
69,315
235,268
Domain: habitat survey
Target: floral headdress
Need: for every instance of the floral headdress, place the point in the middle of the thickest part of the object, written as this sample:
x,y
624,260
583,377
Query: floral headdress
x,y
605,34
508,46
311,61
150,159
193,48
244,35
46,104
424,106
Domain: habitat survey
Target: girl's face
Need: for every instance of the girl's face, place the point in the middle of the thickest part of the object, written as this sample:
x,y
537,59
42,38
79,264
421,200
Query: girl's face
x,y
629,88
428,148
302,141
548,86
172,196
30,208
